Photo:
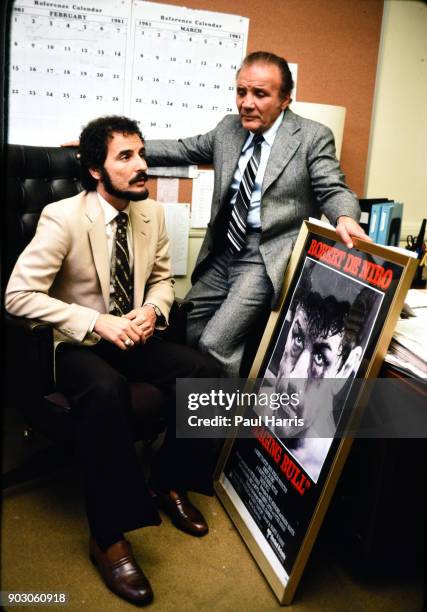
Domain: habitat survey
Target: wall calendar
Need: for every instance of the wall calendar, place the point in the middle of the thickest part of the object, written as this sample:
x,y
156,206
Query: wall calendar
x,y
171,68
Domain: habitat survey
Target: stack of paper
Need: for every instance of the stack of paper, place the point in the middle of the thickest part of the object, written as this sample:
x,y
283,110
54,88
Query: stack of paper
x,y
408,348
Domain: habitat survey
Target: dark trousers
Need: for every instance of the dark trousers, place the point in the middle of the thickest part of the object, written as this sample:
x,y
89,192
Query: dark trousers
x,y
96,382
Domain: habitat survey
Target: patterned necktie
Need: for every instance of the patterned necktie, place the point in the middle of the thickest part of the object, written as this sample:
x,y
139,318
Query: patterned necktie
x,y
236,232
122,281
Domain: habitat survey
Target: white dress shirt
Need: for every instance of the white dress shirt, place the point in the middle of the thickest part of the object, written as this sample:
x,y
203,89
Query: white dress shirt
x,y
254,213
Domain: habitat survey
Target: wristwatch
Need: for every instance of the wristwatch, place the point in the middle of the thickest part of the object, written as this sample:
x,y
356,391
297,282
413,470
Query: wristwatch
x,y
155,308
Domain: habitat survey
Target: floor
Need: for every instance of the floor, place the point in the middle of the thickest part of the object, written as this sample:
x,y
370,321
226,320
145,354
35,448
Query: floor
x,y
44,548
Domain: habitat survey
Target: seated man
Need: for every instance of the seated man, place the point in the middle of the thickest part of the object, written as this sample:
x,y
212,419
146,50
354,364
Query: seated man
x,y
98,270
319,349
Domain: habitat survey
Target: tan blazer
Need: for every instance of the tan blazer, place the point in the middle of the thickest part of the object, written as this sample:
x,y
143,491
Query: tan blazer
x,y
63,275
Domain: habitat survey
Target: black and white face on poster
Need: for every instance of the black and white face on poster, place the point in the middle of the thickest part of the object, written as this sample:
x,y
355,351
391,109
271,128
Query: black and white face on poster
x,y
318,351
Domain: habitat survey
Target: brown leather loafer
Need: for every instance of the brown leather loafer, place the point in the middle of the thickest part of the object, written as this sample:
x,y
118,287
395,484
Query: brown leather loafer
x,y
181,512
121,573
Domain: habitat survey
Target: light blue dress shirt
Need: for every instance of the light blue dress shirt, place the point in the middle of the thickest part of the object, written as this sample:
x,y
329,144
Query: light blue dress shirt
x,y
254,213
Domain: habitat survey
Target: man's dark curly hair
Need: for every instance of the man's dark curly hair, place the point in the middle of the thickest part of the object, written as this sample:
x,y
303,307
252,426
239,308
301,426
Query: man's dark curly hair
x,y
328,316
264,57
94,144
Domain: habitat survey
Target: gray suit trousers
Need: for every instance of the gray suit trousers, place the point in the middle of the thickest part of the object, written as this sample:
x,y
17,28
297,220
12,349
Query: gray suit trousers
x,y
228,299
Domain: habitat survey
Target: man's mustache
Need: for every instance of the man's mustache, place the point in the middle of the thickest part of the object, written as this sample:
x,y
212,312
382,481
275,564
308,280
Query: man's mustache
x,y
141,176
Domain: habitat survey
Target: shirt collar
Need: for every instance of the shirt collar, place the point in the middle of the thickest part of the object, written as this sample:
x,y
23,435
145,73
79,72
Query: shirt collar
x,y
269,135
109,211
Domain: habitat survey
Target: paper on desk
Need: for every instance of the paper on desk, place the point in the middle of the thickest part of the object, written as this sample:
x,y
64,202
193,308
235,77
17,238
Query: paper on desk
x,y
416,298
403,355
405,366
408,347
177,217
202,198
412,334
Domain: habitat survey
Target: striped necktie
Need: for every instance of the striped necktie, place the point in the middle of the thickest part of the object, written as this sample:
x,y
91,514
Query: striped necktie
x,y
236,232
122,282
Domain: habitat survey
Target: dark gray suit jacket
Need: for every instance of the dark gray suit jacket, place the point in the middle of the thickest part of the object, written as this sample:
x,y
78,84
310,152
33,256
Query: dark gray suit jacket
x,y
303,178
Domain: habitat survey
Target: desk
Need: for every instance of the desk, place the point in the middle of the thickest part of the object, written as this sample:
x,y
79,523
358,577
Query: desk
x,y
377,515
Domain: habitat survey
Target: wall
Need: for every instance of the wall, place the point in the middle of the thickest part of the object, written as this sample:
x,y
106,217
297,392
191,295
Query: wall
x,y
397,165
335,45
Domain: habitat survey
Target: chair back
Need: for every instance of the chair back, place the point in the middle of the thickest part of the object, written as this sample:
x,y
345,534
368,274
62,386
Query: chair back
x,y
36,176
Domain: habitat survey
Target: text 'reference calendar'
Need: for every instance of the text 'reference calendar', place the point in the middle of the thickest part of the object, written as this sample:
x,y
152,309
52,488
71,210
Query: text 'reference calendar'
x,y
171,68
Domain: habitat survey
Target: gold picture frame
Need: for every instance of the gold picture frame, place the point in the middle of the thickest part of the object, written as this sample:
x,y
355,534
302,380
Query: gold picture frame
x,y
278,518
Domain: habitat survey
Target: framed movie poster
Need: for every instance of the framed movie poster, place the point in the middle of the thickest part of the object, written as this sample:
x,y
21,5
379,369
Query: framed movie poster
x,y
336,316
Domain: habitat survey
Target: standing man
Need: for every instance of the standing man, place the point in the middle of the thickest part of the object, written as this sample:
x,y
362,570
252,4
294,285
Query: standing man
x,y
272,170
98,270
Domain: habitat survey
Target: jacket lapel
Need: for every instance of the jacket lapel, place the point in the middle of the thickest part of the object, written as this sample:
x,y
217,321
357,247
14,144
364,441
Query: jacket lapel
x,y
98,243
140,232
284,147
231,153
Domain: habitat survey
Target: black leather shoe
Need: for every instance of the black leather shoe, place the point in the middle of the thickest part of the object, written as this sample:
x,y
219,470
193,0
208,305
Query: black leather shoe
x,y
181,512
121,573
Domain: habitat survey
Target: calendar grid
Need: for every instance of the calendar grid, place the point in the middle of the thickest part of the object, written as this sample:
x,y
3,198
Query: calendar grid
x,y
171,68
